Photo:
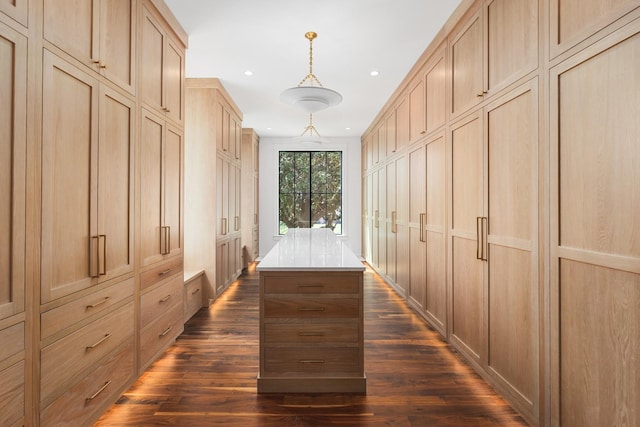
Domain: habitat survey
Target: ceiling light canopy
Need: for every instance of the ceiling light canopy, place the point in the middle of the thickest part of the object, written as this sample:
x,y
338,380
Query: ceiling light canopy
x,y
310,95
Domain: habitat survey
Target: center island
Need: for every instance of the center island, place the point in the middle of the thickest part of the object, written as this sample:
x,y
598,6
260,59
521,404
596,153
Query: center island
x,y
311,315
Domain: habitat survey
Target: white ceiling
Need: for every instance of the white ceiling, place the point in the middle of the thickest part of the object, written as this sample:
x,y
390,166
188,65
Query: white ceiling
x,y
228,37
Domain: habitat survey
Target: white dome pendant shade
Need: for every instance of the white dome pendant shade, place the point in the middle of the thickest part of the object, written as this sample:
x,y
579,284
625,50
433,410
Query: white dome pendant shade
x,y
312,97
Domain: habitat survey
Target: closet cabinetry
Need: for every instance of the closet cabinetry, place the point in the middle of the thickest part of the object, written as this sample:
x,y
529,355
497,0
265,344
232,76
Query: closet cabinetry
x,y
496,46
16,9
13,146
249,213
493,241
88,148
161,67
98,33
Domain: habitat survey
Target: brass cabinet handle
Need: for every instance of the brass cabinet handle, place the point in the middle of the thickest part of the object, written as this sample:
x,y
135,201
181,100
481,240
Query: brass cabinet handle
x,y
311,361
94,257
96,304
165,299
482,228
166,331
311,309
103,339
100,390
478,240
485,238
394,222
165,246
224,226
195,291
423,217
377,218
311,334
236,223
102,266
311,285
164,273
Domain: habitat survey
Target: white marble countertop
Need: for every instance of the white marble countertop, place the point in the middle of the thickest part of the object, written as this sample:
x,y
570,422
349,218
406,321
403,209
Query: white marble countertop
x,y
310,249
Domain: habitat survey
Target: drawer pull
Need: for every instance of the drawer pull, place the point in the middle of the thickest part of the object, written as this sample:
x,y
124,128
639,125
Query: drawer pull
x,y
195,291
165,299
166,331
94,395
164,273
311,334
311,309
309,361
311,285
103,339
94,305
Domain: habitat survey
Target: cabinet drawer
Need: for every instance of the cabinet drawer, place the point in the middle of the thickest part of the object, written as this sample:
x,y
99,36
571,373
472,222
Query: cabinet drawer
x,y
158,301
86,400
12,394
345,331
12,339
318,362
83,308
192,297
310,307
82,349
160,272
159,334
327,282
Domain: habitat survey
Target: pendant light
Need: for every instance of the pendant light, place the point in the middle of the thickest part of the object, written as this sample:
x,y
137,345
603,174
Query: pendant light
x,y
310,95
310,134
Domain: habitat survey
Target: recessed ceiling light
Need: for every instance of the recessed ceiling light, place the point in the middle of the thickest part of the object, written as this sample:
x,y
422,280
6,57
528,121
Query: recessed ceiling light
x,y
248,73
347,128
374,73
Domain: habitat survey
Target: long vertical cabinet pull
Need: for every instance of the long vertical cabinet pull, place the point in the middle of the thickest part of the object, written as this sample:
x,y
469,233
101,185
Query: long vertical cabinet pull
x,y
485,238
394,219
377,219
165,240
481,237
94,259
422,221
224,226
102,260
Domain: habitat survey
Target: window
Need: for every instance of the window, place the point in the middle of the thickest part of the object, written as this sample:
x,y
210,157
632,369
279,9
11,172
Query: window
x,y
310,190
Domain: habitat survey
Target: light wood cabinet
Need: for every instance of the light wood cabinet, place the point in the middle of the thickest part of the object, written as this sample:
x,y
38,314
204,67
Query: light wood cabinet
x,y
98,33
249,214
16,9
193,291
497,45
436,91
161,187
161,71
595,247
12,394
402,123
417,124
13,148
417,202
217,222
573,21
494,243
390,133
91,136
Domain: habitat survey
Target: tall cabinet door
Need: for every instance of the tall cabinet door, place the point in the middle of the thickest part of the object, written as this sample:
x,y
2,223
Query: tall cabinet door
x,y
13,66
391,223
466,257
434,233
402,227
69,159
161,190
511,244
595,234
115,184
417,216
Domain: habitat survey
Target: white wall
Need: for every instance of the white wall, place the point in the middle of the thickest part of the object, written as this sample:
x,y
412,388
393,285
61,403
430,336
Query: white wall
x,y
351,188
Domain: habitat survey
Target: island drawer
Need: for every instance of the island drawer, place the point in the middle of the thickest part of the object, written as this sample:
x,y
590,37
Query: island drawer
x,y
344,331
313,283
314,361
284,306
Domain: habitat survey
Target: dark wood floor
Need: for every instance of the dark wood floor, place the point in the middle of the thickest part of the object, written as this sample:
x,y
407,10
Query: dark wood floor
x,y
208,378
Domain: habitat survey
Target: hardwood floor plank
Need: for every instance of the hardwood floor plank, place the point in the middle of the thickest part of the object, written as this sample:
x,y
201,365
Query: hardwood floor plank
x,y
208,377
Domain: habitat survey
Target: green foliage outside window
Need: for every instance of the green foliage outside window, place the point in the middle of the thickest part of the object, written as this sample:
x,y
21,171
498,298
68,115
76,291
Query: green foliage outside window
x,y
310,190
